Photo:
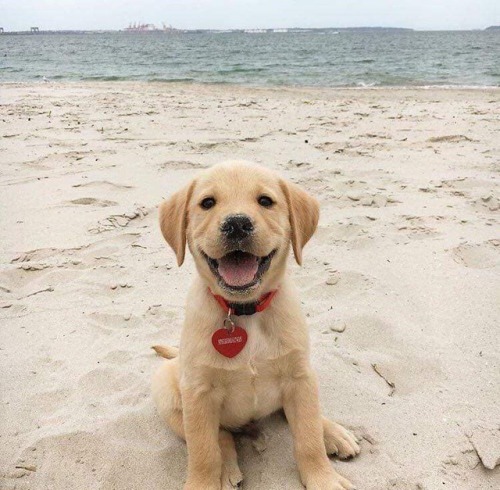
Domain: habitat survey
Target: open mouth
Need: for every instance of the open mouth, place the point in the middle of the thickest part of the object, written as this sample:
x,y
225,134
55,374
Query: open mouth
x,y
239,270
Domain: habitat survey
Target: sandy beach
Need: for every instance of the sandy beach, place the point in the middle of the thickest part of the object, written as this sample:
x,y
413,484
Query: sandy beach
x,y
400,282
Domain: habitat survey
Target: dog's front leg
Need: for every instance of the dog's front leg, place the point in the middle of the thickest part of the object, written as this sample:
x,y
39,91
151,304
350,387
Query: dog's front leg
x,y
301,405
201,410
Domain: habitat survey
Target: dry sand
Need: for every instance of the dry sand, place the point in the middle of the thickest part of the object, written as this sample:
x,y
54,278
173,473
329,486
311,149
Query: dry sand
x,y
400,281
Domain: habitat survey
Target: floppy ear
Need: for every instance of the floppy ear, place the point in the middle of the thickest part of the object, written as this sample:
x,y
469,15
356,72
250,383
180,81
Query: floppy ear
x,y
303,212
174,220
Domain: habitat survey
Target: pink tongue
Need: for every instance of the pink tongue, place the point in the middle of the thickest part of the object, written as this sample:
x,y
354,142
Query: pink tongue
x,y
238,271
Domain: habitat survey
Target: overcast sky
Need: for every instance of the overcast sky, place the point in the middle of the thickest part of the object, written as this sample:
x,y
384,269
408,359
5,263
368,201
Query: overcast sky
x,y
225,14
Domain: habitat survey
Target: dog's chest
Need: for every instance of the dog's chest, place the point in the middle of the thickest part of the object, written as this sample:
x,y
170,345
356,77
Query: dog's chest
x,y
255,388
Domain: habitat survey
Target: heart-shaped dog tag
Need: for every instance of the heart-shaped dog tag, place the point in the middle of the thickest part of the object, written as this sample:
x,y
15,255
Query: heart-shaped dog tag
x,y
229,343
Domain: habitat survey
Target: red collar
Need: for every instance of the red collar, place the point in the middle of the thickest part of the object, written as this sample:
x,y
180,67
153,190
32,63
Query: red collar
x,y
241,309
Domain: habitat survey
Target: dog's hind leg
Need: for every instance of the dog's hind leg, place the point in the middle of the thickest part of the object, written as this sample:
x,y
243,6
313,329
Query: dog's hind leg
x,y
338,440
167,395
168,399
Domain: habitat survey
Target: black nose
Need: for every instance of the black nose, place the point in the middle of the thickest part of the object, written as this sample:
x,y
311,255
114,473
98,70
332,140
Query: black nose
x,y
237,226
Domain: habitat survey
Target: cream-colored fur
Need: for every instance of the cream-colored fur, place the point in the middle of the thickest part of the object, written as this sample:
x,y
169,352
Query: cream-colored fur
x,y
201,394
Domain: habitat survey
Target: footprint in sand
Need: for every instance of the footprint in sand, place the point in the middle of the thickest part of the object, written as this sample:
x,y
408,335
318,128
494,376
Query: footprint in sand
x,y
57,160
109,322
104,184
107,247
41,271
340,232
479,191
54,257
127,437
92,201
452,138
333,284
117,357
418,227
120,220
40,254
478,255
393,363
180,165
207,147
50,401
106,381
489,202
28,281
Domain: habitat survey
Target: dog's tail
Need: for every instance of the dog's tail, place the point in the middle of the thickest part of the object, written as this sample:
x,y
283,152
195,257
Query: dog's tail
x,y
166,351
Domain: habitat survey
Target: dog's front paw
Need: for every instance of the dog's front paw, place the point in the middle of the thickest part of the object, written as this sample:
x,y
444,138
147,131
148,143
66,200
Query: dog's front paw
x,y
339,441
328,480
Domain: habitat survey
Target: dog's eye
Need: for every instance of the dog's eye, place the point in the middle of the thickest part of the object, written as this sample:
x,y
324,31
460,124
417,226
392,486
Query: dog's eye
x,y
265,201
207,203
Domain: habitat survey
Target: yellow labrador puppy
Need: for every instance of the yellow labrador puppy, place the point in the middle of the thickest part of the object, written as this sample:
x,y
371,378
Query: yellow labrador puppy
x,y
244,350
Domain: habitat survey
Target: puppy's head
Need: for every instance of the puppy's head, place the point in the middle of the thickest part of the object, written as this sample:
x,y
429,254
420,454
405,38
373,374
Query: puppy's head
x,y
239,220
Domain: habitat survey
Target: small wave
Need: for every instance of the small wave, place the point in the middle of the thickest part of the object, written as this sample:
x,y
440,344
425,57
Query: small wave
x,y
11,69
419,87
106,78
170,80
240,70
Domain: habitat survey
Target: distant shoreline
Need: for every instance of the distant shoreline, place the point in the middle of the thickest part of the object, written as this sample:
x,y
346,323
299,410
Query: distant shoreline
x,y
294,30
273,30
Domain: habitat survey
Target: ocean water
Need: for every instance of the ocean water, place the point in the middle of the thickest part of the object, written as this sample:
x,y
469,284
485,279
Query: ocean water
x,y
343,59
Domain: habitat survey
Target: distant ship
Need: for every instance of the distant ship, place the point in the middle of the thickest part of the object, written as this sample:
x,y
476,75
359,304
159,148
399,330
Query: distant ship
x,y
138,27
255,31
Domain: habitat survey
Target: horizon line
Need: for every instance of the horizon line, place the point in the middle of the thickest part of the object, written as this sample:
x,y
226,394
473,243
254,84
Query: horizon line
x,y
234,29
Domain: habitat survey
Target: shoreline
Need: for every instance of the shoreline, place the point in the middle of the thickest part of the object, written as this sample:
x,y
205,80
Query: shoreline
x,y
229,85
